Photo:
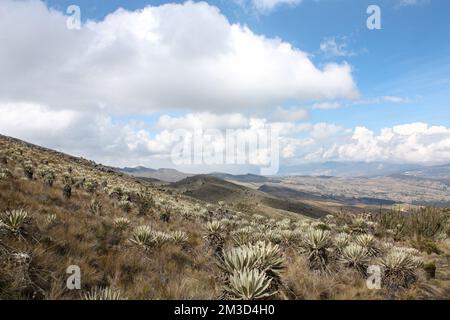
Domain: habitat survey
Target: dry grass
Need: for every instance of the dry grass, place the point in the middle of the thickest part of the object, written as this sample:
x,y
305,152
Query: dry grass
x,y
92,229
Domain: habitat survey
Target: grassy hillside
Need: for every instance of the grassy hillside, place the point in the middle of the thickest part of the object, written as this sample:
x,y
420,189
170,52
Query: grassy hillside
x,y
214,190
135,240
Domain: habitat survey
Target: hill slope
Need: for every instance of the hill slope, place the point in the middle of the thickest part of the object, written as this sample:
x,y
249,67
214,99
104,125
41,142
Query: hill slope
x,y
138,240
213,190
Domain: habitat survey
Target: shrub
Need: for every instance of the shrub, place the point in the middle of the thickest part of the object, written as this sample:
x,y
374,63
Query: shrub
x,y
243,236
90,186
14,220
425,222
121,223
103,294
28,169
249,284
148,238
213,234
400,266
263,256
125,205
368,242
164,215
341,241
430,269
179,237
316,242
49,178
67,191
144,204
159,238
355,256
5,173
142,235
51,219
95,207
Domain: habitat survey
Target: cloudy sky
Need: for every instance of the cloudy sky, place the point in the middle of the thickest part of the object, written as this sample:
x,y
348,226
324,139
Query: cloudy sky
x,y
118,89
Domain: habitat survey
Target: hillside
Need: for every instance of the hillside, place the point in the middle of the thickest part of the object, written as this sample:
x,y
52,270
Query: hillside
x,y
166,175
133,239
214,190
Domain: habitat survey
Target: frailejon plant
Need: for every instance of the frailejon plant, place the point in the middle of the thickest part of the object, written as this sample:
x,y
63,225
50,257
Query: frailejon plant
x,y
243,236
238,259
159,238
142,235
91,185
249,284
14,220
95,207
316,242
341,240
263,256
164,215
67,191
355,256
270,257
368,242
179,237
214,235
125,205
51,219
121,223
400,266
103,294
28,169
5,173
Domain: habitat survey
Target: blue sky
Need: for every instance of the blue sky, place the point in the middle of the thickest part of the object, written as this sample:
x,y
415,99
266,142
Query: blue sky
x,y
125,81
408,58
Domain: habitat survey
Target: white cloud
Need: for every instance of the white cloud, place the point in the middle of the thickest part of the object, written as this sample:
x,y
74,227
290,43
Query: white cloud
x,y
266,6
326,105
100,138
395,99
336,47
415,142
412,3
170,57
205,120
289,115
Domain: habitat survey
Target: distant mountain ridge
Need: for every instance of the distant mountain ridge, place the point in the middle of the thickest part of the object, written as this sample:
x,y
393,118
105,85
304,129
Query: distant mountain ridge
x,y
163,174
330,169
347,169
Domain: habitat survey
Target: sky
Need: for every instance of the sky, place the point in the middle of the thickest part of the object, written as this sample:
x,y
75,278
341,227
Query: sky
x,y
137,77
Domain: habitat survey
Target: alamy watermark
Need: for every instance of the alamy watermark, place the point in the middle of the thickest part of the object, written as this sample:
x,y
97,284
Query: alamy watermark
x,y
257,147
374,20
74,280
74,20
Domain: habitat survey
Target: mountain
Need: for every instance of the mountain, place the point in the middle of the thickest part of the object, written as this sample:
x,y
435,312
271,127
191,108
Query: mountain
x,y
167,175
248,178
288,193
439,172
213,190
347,169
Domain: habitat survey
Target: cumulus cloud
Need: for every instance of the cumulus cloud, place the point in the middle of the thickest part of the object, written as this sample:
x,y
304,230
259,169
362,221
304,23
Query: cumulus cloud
x,y
415,143
169,57
102,139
